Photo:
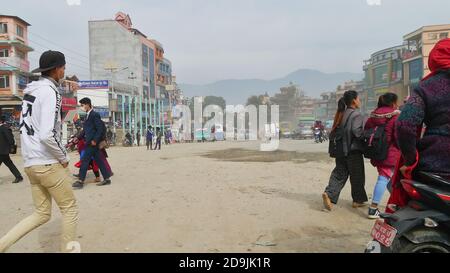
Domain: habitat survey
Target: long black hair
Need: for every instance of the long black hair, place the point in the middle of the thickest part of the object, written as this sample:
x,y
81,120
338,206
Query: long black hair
x,y
387,100
345,102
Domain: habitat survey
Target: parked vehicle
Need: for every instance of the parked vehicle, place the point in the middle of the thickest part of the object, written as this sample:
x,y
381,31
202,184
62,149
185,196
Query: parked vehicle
x,y
219,133
421,227
202,135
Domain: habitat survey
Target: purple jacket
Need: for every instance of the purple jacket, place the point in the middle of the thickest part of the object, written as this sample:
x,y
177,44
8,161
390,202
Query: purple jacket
x,y
430,105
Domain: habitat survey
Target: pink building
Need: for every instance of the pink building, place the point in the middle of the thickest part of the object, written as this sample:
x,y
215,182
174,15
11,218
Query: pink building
x,y
14,64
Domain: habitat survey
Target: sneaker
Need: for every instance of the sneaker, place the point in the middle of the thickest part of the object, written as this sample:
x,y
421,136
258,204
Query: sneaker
x,y
18,180
327,202
104,183
78,185
374,213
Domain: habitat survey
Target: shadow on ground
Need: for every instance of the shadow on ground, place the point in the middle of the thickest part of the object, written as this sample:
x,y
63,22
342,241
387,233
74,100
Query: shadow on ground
x,y
243,155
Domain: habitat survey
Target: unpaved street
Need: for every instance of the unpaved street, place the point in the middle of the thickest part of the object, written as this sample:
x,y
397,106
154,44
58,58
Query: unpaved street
x,y
207,197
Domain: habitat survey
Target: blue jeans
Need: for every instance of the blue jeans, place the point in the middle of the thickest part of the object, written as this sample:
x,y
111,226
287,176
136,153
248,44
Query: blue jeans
x,y
380,188
89,153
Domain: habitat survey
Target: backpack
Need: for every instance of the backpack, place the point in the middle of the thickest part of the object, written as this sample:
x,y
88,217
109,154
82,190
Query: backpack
x,y
375,143
336,146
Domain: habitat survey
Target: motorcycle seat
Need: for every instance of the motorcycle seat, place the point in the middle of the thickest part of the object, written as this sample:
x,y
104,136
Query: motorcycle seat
x,y
436,179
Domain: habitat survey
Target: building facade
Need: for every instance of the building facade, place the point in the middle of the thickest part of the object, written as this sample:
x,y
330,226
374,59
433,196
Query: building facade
x,y
128,58
383,74
14,64
326,106
418,46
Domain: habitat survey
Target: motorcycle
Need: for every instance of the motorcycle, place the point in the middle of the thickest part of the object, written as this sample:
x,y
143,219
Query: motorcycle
x,y
318,136
421,227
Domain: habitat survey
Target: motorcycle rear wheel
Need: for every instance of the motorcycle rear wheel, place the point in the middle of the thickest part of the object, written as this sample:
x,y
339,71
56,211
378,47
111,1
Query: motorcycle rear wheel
x,y
402,245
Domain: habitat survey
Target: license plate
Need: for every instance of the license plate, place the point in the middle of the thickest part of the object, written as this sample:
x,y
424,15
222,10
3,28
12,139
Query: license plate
x,y
384,233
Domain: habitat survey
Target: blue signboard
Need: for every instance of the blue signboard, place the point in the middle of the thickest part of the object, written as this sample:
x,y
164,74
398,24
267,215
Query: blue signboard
x,y
104,112
103,84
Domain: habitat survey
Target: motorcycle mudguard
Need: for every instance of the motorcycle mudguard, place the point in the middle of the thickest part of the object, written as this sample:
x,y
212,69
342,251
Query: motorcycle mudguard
x,y
408,219
428,235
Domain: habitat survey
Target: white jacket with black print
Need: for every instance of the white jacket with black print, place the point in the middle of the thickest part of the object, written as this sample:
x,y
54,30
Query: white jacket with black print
x,y
40,125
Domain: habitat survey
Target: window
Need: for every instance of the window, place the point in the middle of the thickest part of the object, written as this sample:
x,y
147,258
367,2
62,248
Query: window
x,y
20,31
3,28
432,36
4,81
443,35
4,53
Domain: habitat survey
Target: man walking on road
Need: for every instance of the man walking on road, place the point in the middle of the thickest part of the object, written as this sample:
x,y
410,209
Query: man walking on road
x,y
6,143
95,132
158,138
45,158
138,138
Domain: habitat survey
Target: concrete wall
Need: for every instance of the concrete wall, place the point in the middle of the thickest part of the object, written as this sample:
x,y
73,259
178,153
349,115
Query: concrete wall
x,y
111,42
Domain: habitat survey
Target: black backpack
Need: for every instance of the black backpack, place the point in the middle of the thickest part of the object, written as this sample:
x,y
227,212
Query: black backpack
x,y
375,143
336,146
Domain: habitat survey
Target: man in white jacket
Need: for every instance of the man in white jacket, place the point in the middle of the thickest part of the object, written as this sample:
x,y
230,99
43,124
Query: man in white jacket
x,y
45,158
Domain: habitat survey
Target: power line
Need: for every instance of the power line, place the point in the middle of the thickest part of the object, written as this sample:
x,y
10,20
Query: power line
x,y
45,39
47,48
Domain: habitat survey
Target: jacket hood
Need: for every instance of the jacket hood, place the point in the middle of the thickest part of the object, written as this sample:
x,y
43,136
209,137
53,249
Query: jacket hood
x,y
33,86
385,112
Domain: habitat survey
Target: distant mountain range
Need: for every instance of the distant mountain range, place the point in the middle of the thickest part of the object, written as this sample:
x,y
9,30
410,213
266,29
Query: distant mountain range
x,y
313,82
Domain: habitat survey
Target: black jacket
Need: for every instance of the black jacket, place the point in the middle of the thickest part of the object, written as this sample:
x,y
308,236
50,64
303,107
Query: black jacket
x,y
94,128
6,140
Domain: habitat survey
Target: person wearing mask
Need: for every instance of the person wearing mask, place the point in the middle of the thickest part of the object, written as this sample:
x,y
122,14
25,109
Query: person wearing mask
x,y
45,158
94,132
428,105
6,143
351,164
384,116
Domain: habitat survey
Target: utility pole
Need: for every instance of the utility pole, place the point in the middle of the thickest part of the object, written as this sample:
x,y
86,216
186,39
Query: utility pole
x,y
133,77
113,69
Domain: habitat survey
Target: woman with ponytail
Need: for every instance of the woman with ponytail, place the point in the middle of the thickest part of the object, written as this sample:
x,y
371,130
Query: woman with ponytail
x,y
351,164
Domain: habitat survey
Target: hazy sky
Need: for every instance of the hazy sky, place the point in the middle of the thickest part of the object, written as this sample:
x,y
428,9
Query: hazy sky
x,y
209,40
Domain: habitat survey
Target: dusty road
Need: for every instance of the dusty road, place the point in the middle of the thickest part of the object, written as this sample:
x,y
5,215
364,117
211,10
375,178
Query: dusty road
x,y
211,197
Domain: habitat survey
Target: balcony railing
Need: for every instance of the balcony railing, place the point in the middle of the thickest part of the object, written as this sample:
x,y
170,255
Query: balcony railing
x,y
14,63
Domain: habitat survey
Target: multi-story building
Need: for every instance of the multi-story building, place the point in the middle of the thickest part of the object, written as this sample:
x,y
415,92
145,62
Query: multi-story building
x,y
383,73
127,57
289,104
418,47
357,86
326,107
14,64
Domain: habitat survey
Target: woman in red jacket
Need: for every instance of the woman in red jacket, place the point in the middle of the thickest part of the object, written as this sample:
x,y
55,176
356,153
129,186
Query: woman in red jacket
x,y
385,115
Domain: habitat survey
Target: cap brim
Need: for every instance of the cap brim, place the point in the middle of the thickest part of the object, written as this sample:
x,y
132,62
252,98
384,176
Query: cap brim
x,y
39,70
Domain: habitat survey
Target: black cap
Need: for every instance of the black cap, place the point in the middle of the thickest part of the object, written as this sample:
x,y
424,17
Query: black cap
x,y
50,60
